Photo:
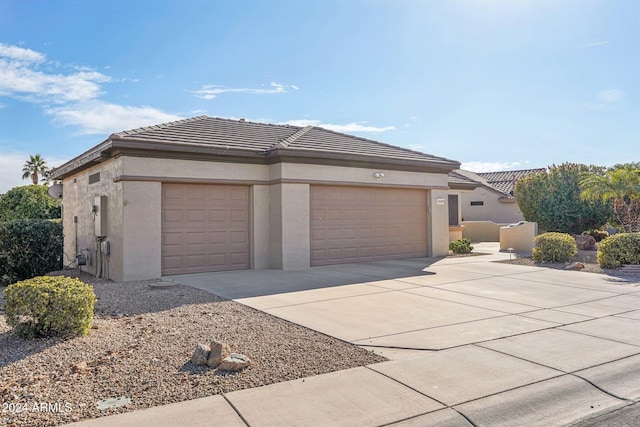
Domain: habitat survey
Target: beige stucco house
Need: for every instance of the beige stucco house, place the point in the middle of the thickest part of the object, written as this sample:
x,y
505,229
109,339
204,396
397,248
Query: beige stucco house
x,y
208,194
491,204
494,199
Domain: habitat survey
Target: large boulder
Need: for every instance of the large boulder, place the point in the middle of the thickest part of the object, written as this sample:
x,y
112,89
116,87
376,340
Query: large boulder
x,y
584,242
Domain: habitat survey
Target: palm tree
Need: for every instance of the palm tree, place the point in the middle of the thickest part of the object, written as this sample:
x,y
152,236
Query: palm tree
x,y
35,167
622,185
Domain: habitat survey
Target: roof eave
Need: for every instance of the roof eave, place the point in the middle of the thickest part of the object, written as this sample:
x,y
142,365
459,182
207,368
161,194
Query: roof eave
x,y
117,145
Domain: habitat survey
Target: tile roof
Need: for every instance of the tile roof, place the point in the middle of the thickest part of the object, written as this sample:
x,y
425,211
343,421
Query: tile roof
x,y
261,137
458,180
505,181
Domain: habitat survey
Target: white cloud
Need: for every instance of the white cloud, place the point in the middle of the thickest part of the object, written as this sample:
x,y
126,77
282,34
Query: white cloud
x,y
20,80
211,91
491,166
97,117
353,127
20,54
294,87
70,98
21,76
595,44
611,95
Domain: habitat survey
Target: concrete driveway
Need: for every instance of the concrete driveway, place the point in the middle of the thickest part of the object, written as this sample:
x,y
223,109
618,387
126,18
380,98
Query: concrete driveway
x,y
471,342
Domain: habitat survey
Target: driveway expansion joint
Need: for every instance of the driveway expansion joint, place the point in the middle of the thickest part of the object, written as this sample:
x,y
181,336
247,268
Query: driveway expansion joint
x,y
244,420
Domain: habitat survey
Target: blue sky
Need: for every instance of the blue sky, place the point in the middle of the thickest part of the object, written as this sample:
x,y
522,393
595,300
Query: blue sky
x,y
494,84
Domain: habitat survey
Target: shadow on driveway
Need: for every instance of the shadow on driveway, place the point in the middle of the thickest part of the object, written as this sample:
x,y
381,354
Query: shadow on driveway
x,y
254,283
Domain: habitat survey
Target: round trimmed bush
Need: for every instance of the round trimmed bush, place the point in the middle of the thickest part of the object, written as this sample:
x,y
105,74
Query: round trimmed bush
x,y
621,248
48,306
554,247
462,246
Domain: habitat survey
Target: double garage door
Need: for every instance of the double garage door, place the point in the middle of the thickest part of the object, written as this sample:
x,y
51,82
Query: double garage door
x,y
352,224
206,227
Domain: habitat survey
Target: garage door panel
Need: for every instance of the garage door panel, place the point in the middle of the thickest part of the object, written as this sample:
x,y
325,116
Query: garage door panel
x,y
238,215
218,215
204,228
365,224
218,237
172,215
239,237
195,260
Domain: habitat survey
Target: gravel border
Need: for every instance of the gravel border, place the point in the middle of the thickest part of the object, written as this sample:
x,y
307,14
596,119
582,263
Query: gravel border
x,y
140,347
588,258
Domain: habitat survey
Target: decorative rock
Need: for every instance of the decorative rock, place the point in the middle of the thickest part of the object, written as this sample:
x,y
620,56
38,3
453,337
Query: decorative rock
x,y
200,355
219,351
585,242
575,265
234,362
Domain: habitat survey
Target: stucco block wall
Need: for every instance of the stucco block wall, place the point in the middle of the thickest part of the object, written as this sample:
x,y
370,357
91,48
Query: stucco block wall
x,y
193,169
289,216
351,176
78,199
260,227
142,230
482,231
439,213
492,208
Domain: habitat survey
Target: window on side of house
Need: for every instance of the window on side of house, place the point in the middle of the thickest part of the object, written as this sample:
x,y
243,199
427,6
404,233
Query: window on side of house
x,y
480,203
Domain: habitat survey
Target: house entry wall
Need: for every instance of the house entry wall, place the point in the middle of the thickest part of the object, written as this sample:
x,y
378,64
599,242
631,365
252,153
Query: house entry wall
x,y
204,228
353,224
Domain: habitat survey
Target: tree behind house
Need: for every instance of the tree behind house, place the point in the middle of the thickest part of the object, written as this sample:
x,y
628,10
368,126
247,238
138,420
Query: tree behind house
x,y
35,168
28,202
620,185
552,199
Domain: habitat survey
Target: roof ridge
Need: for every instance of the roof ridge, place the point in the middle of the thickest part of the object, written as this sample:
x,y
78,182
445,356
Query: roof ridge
x,y
157,126
511,171
397,147
285,142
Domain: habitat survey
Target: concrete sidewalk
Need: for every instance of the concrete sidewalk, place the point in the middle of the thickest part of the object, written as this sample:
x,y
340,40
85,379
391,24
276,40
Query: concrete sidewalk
x,y
472,342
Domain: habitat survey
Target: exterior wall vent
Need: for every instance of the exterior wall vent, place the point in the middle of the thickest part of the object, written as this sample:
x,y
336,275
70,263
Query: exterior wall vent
x,y
94,178
481,203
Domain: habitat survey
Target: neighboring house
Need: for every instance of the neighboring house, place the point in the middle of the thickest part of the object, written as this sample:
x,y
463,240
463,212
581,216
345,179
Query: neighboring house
x,y
459,184
208,194
494,199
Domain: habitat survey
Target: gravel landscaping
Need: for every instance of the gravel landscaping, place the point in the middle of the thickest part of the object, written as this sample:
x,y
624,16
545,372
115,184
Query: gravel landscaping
x,y
588,258
140,348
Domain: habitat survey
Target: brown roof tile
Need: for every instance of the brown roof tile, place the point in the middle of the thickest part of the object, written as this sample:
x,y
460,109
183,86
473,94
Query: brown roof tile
x,y
505,181
260,141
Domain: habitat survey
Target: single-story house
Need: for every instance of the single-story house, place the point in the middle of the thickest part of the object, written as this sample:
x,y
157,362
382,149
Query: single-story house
x,y
209,194
493,200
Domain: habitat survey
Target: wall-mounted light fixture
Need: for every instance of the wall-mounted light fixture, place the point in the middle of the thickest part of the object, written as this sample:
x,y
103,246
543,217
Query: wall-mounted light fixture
x,y
378,175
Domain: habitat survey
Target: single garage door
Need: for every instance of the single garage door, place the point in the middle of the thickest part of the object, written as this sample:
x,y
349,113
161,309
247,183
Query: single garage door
x,y
204,228
352,224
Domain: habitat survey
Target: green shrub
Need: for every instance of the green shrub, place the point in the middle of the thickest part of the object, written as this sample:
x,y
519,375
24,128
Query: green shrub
x,y
622,248
462,246
554,247
28,202
49,305
29,248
